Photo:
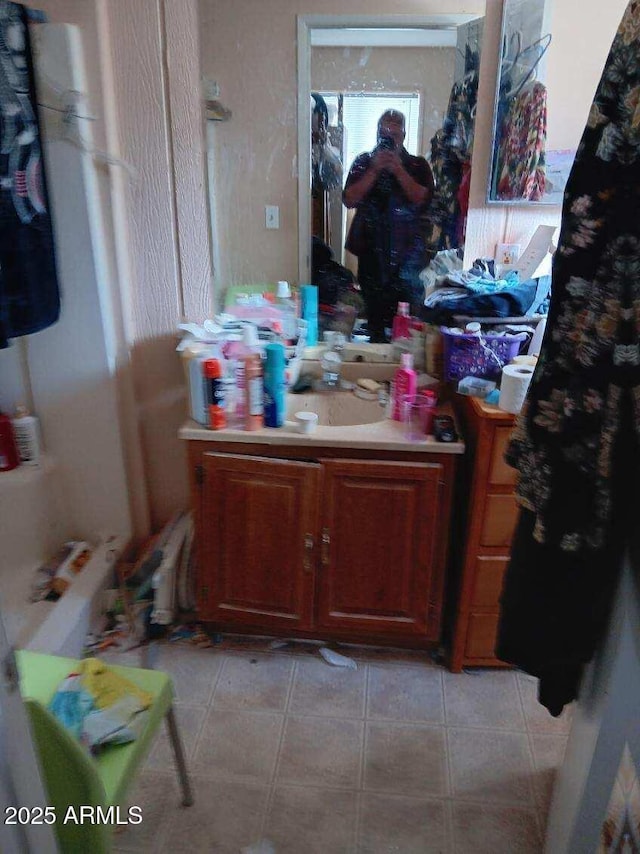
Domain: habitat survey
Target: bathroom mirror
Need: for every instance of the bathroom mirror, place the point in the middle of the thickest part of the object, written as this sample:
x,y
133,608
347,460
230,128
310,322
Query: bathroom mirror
x,y
260,151
551,55
359,69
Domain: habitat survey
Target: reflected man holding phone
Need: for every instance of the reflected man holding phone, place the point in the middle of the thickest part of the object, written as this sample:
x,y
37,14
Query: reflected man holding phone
x,y
391,191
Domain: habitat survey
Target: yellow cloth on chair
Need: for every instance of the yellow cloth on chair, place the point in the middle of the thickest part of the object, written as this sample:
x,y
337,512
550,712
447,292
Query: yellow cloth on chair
x,y
107,687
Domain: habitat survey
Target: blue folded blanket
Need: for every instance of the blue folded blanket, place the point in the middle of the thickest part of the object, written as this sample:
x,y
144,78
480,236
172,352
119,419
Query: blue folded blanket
x,y
508,302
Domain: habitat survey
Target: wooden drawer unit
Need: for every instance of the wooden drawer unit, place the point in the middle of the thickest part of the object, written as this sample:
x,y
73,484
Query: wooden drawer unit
x,y
482,630
487,583
490,522
498,521
500,473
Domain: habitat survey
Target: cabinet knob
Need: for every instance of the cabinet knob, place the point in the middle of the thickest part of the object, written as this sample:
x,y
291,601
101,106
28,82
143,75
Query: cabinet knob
x,y
308,551
326,542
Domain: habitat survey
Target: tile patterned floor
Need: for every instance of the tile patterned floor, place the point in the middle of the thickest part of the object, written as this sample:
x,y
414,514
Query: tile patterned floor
x,y
290,755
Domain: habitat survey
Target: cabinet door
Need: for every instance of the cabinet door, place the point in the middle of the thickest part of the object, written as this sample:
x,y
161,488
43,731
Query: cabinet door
x,y
381,564
259,520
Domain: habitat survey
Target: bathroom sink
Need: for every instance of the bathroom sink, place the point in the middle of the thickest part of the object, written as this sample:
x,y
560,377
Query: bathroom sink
x,y
336,409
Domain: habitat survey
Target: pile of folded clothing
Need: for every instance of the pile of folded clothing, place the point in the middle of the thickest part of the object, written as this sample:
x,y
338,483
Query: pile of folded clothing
x,y
479,293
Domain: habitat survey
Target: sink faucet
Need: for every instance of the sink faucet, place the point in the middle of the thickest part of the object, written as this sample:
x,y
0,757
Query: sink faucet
x,y
331,360
331,364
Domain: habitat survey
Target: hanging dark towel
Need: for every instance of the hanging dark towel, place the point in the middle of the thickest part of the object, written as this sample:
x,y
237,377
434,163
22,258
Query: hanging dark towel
x,y
29,294
576,440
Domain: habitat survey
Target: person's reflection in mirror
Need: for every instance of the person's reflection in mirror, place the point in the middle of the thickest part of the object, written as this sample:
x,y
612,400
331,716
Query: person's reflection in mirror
x,y
390,190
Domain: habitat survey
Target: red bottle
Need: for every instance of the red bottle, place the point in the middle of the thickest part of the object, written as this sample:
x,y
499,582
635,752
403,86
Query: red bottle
x,y
9,456
401,322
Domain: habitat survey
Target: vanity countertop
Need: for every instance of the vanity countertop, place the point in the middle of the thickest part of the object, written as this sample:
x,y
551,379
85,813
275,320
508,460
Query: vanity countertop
x,y
384,435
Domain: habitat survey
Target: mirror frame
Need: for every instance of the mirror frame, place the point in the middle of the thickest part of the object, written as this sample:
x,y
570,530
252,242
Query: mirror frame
x,y
307,23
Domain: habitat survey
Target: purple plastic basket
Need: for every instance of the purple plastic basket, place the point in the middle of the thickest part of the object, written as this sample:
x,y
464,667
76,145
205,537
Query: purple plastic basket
x,y
464,355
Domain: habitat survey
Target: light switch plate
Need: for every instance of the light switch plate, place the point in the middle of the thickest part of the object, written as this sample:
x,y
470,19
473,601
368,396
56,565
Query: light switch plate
x,y
272,216
210,88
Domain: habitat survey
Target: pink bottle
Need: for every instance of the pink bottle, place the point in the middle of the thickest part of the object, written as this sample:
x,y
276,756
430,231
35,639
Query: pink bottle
x,y
237,352
405,384
401,322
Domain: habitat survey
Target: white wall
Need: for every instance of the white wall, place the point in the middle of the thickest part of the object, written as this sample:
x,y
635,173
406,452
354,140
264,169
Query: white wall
x,y
71,364
155,92
572,84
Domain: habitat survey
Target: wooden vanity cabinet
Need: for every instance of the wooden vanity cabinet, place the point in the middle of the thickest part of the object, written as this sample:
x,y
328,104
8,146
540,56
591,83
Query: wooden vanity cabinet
x,y
379,567
489,525
261,515
333,545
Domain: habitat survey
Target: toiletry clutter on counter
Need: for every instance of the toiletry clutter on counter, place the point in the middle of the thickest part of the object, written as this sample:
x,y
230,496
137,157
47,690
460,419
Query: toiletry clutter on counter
x,y
240,364
243,385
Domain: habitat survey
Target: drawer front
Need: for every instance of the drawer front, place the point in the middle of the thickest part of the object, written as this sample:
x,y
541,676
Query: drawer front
x,y
488,583
500,472
482,632
500,517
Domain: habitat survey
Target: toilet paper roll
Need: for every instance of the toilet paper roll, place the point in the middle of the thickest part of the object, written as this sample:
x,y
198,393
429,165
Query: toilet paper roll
x,y
513,387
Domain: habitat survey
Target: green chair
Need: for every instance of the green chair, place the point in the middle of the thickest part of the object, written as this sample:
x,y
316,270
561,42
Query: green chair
x,y
74,778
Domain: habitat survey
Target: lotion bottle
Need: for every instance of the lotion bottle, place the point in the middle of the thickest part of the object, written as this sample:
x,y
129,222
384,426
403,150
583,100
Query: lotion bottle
x,y
254,406
27,432
405,384
249,345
